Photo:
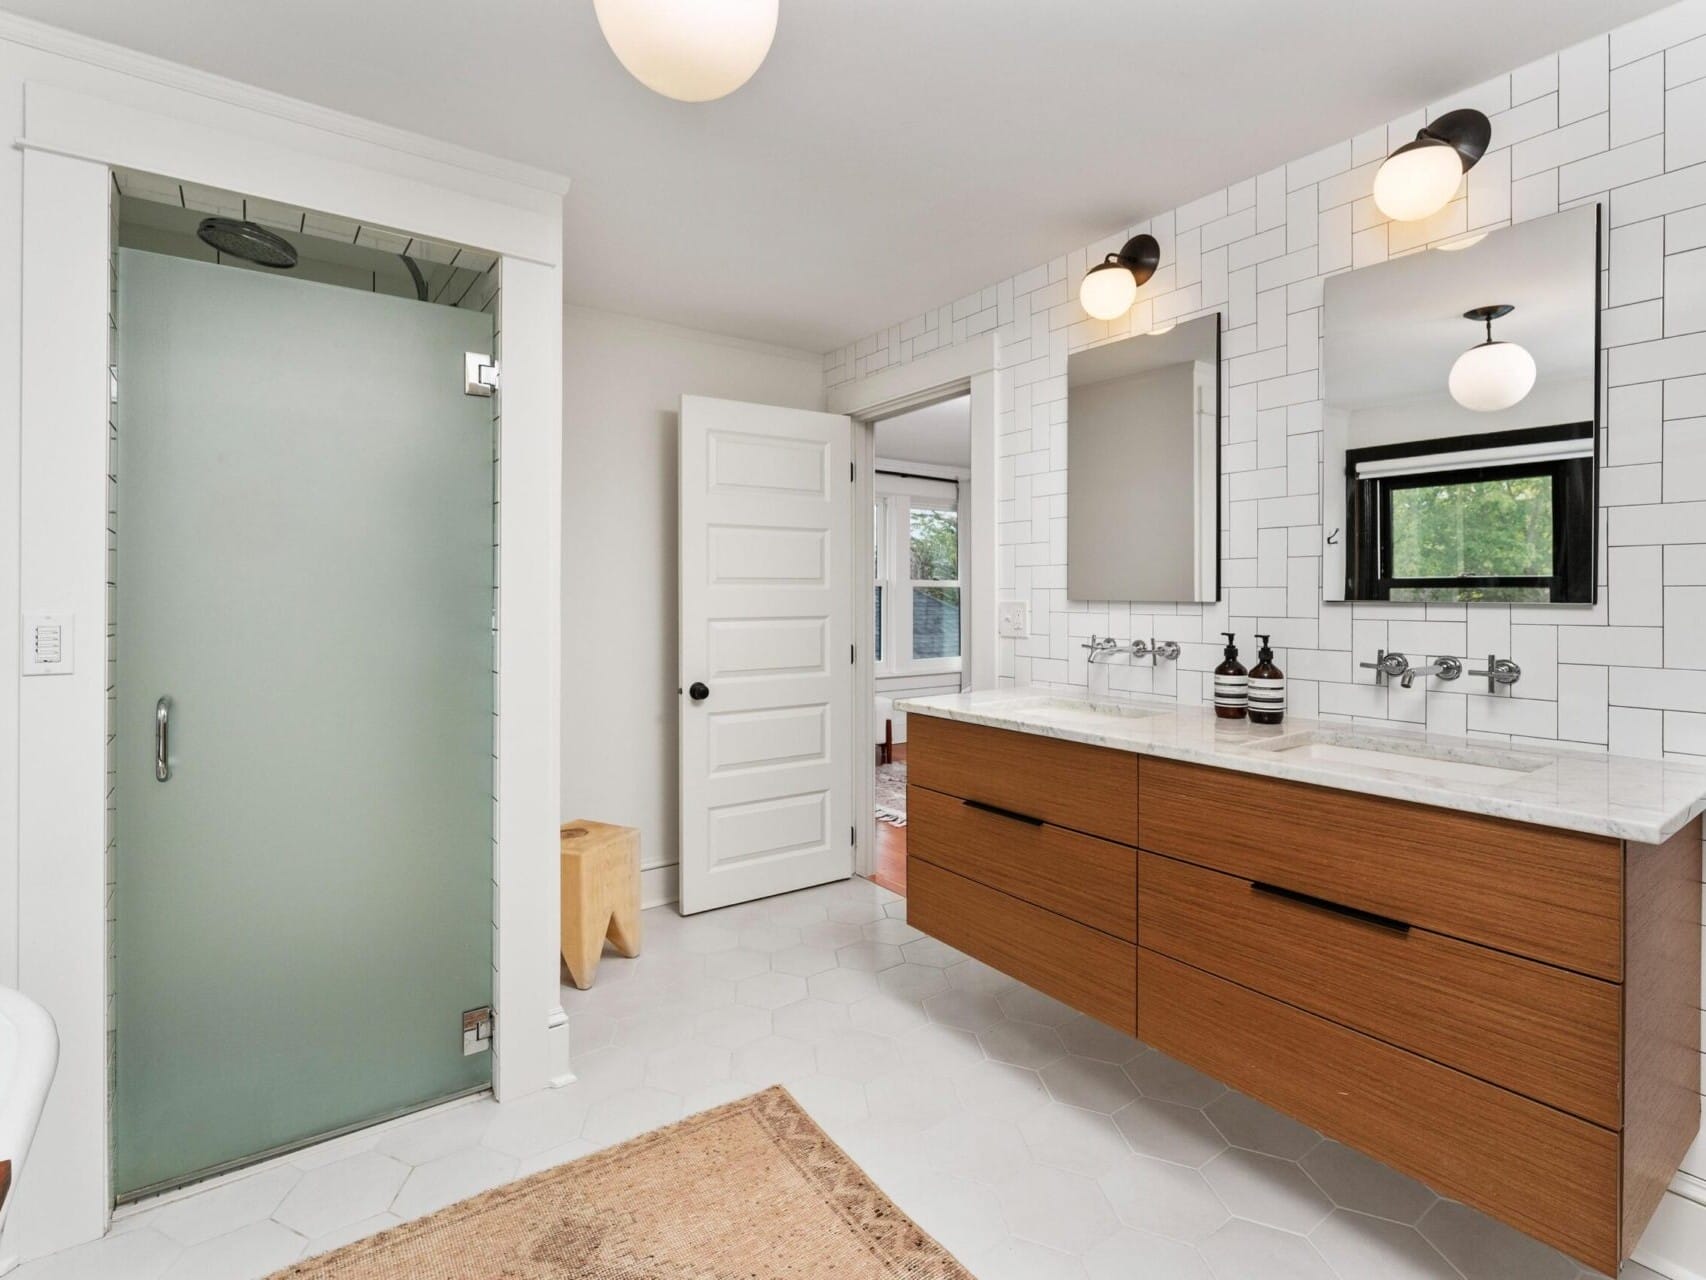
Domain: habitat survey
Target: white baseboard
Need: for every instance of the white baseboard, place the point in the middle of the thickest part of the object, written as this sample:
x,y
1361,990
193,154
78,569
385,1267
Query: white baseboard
x,y
659,886
1674,1244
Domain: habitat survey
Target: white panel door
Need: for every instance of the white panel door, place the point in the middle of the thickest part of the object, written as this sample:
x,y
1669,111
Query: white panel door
x,y
766,673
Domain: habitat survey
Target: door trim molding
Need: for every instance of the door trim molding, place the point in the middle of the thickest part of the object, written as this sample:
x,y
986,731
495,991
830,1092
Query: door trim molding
x,y
59,908
968,367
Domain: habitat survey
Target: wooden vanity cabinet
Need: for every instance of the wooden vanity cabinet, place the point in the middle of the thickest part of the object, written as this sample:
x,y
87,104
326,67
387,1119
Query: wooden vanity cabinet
x,y
1507,1012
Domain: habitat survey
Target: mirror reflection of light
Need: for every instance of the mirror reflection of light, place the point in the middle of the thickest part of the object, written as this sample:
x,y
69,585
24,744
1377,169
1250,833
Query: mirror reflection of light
x,y
1492,376
1166,326
1462,242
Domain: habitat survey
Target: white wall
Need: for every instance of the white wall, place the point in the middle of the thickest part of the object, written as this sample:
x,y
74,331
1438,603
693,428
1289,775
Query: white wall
x,y
623,379
1619,119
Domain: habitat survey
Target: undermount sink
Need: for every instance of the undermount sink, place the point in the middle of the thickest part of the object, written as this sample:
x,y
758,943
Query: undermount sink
x,y
1415,759
1079,710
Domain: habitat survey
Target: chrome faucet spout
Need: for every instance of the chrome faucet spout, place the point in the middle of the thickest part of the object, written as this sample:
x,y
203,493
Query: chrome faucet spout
x,y
1445,668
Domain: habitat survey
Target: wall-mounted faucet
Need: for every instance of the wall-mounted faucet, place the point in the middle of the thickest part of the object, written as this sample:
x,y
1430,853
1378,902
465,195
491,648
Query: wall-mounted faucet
x,y
1446,668
1500,671
1102,647
1386,666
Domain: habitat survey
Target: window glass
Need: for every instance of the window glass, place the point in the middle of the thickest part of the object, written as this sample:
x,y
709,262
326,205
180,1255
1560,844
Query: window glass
x,y
935,622
935,544
1481,528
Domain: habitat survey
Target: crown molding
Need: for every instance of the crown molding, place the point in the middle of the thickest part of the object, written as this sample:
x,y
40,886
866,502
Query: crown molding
x,y
172,75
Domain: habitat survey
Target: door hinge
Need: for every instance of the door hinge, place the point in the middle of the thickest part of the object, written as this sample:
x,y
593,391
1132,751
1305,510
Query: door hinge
x,y
851,477
477,1030
853,836
479,373
853,653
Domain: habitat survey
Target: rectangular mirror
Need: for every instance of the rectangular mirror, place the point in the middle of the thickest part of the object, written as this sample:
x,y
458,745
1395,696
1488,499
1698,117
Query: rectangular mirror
x,y
1143,467
1461,425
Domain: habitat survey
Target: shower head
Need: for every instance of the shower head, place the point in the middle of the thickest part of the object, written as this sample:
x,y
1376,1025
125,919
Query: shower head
x,y
247,241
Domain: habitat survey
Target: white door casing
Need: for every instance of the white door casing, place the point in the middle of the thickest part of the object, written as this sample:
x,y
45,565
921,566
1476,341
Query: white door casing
x,y
766,626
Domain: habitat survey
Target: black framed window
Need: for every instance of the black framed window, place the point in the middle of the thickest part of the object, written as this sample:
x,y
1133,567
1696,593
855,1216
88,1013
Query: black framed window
x,y
1519,531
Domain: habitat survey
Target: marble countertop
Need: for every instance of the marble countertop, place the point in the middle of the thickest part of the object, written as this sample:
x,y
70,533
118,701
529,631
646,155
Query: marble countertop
x,y
1618,796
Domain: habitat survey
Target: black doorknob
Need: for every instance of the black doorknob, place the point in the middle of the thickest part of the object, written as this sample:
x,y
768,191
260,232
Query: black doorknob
x,y
697,691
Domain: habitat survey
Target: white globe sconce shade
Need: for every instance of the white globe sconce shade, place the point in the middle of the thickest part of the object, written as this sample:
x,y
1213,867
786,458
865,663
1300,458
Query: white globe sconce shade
x,y
1420,178
1110,287
1491,375
689,50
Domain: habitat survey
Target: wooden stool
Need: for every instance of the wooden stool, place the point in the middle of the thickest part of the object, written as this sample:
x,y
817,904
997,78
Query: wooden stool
x,y
601,895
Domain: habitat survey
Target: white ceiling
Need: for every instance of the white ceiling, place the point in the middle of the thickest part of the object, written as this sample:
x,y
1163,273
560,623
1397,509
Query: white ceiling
x,y
891,155
939,434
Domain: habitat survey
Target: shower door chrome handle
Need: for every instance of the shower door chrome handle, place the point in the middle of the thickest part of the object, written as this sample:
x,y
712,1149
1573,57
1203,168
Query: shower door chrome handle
x,y
162,718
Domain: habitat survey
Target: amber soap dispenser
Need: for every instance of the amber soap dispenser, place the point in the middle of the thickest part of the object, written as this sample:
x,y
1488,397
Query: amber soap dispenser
x,y
1267,687
1231,684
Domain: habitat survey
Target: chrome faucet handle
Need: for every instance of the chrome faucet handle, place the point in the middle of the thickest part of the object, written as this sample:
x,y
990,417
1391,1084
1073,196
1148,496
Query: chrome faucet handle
x,y
1499,671
1097,643
1386,665
1140,649
1445,667
1168,649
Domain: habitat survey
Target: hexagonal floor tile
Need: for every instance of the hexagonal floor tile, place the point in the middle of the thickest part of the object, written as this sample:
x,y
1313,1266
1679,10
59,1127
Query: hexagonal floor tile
x,y
741,962
994,1088
770,990
802,961
868,957
255,1250
223,1209
1088,1083
810,1019
977,1146
890,930
843,986
887,1015
1257,1127
1068,1138
1016,1259
452,1178
769,937
628,1114
857,1055
686,1067
1159,1076
1169,1131
932,952
911,1099
773,1060
1358,1182
830,935
1024,1044
1486,1250
533,1124
1358,1245
1274,1192
732,1027
914,981
1127,1254
336,1194
1243,1248
968,1010
1055,1208
1084,1037
1027,1004
1164,1198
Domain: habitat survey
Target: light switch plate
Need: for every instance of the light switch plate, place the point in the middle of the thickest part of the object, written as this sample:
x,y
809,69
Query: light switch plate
x,y
1015,620
49,641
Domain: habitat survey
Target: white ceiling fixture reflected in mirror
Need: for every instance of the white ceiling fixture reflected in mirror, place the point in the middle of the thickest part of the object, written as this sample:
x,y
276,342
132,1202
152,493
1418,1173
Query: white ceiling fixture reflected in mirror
x,y
689,50
1491,375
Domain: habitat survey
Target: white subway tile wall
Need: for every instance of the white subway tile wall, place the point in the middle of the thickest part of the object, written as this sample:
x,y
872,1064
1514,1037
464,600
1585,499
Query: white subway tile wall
x,y
1619,120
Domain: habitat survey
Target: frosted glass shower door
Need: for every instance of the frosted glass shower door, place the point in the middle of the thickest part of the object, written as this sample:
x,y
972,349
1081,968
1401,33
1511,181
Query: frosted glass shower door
x,y
305,569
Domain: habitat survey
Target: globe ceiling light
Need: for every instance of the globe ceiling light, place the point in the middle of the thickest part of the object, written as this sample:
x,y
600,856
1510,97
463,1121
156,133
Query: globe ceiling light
x,y
1419,179
1491,375
1110,287
689,50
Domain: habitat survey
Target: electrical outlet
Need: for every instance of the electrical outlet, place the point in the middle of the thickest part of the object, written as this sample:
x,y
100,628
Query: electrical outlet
x,y
1015,619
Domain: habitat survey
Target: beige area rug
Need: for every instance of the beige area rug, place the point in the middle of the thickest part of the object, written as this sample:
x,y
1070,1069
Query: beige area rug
x,y
752,1190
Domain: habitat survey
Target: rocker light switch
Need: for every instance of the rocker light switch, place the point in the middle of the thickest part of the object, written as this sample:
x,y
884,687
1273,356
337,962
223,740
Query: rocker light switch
x,y
1015,619
49,640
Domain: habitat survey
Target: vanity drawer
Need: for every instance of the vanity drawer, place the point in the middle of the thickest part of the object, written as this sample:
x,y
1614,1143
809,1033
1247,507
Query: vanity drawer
x,y
1084,967
1069,784
1555,896
1547,1173
1078,876
1549,1034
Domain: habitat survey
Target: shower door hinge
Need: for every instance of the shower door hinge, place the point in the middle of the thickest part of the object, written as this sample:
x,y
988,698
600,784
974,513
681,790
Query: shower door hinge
x,y
477,1030
479,373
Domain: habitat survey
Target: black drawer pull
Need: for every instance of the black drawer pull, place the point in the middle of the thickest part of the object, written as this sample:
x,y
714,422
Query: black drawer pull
x,y
1003,813
1308,900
